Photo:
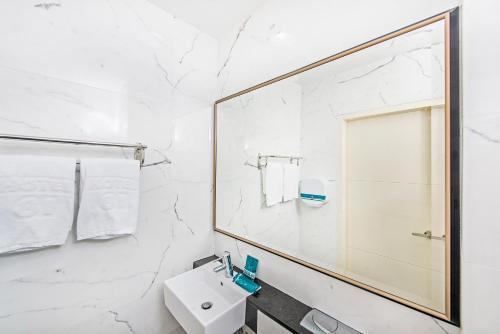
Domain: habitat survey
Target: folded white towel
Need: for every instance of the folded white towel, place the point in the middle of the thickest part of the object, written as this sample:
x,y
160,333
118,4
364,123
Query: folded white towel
x,y
37,196
290,182
109,198
274,183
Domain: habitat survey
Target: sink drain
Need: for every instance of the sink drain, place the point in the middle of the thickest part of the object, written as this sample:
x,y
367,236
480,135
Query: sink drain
x,y
206,305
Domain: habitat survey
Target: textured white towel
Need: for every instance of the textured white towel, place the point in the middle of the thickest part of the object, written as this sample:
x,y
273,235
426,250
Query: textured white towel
x,y
290,182
109,198
274,183
37,196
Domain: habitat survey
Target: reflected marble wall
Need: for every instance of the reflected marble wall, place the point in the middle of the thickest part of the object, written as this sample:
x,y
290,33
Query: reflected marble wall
x,y
266,121
114,71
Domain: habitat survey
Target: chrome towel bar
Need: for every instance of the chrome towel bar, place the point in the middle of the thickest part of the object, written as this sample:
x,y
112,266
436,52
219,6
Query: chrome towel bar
x,y
139,149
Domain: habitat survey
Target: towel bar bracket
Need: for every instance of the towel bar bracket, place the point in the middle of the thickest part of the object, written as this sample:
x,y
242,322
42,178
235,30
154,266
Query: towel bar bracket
x,y
263,159
140,154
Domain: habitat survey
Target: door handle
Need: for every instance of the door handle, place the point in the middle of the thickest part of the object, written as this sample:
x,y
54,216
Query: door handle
x,y
428,235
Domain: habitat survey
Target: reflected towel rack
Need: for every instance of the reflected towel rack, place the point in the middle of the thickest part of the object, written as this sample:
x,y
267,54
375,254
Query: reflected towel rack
x,y
139,149
262,159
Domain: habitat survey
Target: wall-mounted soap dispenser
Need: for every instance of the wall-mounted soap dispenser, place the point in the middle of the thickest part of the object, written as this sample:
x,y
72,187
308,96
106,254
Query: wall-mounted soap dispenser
x,y
313,192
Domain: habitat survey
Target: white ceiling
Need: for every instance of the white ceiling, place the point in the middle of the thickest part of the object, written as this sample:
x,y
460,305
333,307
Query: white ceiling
x,y
214,17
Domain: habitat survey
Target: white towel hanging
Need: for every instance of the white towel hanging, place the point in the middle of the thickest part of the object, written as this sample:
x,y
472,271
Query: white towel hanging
x,y
109,198
291,175
36,201
274,183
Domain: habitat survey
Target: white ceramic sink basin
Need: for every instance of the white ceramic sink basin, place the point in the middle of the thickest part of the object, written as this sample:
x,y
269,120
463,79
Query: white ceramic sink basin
x,y
185,294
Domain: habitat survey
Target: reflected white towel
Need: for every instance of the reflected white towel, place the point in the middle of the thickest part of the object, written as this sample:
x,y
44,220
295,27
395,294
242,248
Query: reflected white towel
x,y
274,183
290,182
109,198
37,197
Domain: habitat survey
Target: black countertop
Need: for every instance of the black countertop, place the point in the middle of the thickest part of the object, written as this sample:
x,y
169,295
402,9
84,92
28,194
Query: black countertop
x,y
282,308
277,305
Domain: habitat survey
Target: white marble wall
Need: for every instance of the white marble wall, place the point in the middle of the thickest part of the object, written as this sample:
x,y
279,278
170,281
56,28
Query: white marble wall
x,y
116,71
281,36
481,163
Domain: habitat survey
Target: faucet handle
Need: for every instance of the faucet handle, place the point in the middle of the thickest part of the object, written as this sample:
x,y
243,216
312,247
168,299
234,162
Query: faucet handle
x,y
226,260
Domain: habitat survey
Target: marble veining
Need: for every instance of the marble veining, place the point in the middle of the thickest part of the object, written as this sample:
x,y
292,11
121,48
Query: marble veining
x,y
47,5
439,325
162,258
121,321
238,208
179,218
46,309
233,44
378,67
185,54
482,135
23,123
42,281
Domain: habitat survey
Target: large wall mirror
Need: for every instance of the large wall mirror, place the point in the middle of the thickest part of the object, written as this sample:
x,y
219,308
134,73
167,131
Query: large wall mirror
x,y
350,166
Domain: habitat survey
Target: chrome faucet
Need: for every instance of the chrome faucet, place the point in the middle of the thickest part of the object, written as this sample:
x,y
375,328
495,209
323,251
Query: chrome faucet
x,y
226,265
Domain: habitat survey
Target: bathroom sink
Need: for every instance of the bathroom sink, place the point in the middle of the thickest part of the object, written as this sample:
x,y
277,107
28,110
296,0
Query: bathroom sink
x,y
206,302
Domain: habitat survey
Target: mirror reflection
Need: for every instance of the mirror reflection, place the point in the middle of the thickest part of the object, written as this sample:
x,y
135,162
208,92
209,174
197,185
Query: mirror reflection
x,y
344,166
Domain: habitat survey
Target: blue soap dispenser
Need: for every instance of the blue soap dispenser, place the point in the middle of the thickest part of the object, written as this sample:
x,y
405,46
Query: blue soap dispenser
x,y
247,277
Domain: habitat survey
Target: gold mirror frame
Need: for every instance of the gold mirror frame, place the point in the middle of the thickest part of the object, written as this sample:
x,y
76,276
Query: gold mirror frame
x,y
452,163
